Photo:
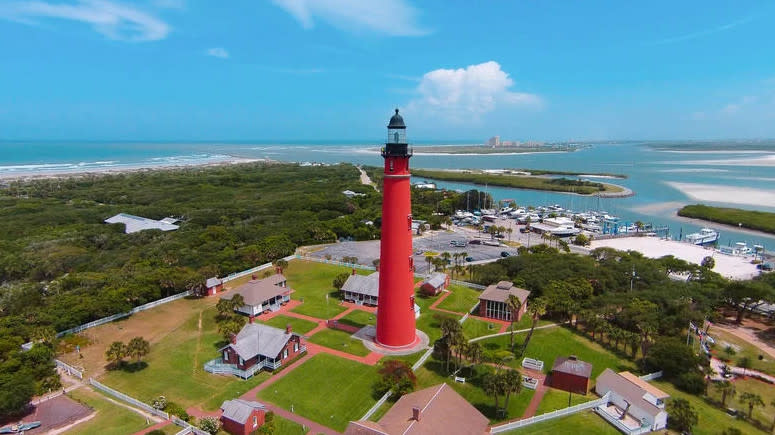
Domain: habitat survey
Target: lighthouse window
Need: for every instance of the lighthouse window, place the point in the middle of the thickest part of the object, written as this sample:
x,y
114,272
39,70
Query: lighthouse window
x,y
411,263
409,222
411,302
391,165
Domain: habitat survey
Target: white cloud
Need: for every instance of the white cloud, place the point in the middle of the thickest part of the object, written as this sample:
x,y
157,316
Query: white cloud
x,y
169,4
469,92
387,17
114,20
732,108
218,52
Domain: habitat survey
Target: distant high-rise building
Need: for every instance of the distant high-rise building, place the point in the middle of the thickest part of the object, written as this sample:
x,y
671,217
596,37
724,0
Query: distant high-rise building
x,y
494,141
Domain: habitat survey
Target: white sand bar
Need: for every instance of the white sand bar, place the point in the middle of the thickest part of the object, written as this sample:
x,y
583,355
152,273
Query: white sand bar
x,y
732,267
727,194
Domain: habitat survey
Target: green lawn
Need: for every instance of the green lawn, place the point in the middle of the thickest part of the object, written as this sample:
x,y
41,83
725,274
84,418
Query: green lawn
x,y
764,415
329,390
766,364
429,322
311,282
287,427
712,420
359,318
339,340
175,368
474,327
461,299
582,423
300,326
550,343
433,373
557,399
111,419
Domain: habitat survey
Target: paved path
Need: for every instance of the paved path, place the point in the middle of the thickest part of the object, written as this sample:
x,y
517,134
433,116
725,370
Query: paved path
x,y
484,337
365,179
370,359
530,411
748,335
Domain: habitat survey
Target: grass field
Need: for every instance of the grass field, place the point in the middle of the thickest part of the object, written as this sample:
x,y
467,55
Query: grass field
x,y
359,318
764,415
433,373
175,368
712,420
287,427
329,390
582,423
110,419
474,327
339,340
558,399
766,364
548,344
300,326
429,322
311,283
461,299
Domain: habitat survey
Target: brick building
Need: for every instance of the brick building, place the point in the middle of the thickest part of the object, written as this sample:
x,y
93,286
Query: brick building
x,y
493,302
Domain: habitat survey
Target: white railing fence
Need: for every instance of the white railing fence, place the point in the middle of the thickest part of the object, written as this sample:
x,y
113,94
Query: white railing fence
x,y
619,425
376,406
334,262
72,371
121,396
549,415
468,284
652,376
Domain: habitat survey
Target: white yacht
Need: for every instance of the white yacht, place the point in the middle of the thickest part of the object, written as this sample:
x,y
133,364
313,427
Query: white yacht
x,y
706,236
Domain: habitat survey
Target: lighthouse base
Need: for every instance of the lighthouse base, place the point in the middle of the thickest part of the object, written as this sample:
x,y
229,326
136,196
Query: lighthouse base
x,y
368,335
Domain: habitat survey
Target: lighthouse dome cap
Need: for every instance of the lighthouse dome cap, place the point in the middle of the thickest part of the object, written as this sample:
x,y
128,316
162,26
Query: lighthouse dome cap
x,y
396,121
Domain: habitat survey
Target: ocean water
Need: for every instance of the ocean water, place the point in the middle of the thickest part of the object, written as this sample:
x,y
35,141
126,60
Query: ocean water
x,y
650,171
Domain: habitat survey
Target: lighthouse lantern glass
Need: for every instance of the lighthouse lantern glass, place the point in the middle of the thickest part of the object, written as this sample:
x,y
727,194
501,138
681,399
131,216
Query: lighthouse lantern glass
x,y
396,135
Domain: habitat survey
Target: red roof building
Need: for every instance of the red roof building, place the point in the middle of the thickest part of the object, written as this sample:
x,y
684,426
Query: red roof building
x,y
435,283
434,410
571,374
262,295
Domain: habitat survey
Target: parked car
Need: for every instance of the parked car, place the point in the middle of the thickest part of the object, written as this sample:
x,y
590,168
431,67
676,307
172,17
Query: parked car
x,y
524,230
505,254
491,243
475,242
469,258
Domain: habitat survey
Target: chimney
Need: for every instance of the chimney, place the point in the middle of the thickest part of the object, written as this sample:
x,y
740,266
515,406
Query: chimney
x,y
354,271
416,413
251,318
288,328
572,357
233,338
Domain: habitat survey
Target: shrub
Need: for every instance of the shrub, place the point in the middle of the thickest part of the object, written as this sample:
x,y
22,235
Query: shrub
x,y
691,382
210,425
175,409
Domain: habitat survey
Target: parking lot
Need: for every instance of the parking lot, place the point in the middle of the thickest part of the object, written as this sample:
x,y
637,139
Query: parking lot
x,y
437,241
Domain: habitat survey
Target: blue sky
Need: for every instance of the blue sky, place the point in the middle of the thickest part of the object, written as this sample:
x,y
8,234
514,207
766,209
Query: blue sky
x,y
334,69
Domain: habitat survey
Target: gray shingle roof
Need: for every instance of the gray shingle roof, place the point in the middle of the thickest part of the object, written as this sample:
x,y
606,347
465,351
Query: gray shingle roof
x,y
255,292
572,367
212,282
500,292
239,410
259,339
631,392
436,280
367,285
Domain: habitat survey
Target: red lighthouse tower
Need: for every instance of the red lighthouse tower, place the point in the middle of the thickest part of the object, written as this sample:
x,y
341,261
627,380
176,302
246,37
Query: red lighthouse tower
x,y
395,319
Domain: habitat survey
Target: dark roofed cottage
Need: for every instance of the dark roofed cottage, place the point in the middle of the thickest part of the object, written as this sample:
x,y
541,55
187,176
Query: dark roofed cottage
x,y
493,302
571,374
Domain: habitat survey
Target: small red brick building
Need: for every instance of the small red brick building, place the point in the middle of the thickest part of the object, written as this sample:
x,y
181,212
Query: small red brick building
x,y
493,302
242,417
213,285
570,374
260,346
435,283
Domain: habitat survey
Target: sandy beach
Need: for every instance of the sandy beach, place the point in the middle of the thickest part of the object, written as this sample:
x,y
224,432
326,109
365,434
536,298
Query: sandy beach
x,y
724,194
767,160
732,267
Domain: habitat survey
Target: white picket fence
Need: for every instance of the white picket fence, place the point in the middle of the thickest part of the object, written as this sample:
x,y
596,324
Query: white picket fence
x,y
550,415
252,270
468,284
334,262
131,400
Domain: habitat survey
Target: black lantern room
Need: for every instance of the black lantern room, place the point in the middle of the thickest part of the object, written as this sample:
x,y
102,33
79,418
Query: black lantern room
x,y
396,141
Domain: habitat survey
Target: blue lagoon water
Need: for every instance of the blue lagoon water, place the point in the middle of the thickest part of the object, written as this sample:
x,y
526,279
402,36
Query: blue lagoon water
x,y
649,170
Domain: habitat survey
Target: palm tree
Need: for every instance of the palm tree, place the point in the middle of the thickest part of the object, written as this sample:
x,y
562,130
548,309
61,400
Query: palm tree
x,y
474,354
509,230
429,260
536,308
727,389
137,348
279,265
115,353
491,384
512,383
514,305
752,400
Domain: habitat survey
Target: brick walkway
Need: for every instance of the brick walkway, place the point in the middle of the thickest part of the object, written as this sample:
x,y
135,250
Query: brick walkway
x,y
530,411
154,427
